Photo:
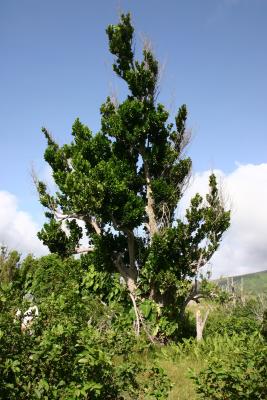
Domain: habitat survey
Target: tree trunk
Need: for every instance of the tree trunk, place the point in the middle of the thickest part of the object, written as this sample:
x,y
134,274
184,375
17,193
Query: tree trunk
x,y
200,324
150,207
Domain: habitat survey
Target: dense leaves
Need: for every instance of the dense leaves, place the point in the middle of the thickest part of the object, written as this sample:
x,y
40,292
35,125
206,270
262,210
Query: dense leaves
x,y
78,347
237,372
123,184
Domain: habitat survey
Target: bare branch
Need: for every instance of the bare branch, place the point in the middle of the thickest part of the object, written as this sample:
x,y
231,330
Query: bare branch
x,y
200,262
165,218
96,226
146,225
200,323
193,297
61,217
150,337
186,139
136,314
90,220
128,274
116,226
80,250
34,176
93,222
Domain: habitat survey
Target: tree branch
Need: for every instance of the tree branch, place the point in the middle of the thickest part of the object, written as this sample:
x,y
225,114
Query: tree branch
x,y
200,323
194,295
199,263
136,314
150,207
130,240
80,250
131,245
127,274
150,337
61,217
93,222
87,219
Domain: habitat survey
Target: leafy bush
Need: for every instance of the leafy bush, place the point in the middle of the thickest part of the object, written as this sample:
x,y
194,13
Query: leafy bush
x,y
224,367
237,371
231,319
78,348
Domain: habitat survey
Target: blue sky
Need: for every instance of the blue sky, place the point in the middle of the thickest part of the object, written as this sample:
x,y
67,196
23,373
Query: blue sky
x,y
55,66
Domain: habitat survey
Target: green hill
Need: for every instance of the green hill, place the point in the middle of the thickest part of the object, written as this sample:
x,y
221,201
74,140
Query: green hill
x,y
254,283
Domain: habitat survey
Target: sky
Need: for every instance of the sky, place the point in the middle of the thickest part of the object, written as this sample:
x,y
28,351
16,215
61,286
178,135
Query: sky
x,y
55,67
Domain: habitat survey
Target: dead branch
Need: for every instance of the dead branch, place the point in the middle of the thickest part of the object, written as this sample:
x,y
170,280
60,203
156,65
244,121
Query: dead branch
x,y
200,323
165,216
199,263
93,222
136,314
80,250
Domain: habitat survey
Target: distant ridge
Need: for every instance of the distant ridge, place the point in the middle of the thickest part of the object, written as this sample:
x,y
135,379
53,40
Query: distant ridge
x,y
252,283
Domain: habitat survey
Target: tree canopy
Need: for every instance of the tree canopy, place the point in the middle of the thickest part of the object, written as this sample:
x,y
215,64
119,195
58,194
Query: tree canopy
x,y
124,184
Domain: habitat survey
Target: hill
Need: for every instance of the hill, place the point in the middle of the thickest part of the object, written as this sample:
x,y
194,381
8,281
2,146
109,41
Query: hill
x,y
253,284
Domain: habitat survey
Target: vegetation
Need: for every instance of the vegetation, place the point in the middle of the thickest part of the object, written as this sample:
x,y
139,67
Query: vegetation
x,y
237,370
77,347
124,184
117,322
82,344
250,284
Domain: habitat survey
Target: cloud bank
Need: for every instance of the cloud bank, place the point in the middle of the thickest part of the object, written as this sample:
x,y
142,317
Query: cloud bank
x,y
244,246
17,228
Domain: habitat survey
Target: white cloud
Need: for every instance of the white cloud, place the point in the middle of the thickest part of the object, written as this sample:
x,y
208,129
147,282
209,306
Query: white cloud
x,y
17,228
244,246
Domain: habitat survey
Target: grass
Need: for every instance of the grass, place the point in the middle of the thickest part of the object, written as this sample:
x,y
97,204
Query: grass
x,y
183,387
176,363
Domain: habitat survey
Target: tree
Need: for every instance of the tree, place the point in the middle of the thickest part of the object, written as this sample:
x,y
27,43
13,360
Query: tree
x,y
8,265
124,184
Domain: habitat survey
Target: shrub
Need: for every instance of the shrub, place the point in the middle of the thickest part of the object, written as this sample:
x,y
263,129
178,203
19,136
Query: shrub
x,y
78,347
230,319
236,372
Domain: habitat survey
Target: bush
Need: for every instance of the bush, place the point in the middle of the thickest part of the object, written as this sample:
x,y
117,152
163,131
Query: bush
x,y
231,320
78,347
236,371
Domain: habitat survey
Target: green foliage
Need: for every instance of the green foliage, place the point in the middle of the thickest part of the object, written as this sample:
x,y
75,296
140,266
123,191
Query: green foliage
x,y
58,241
264,325
78,347
220,366
8,265
124,184
230,323
237,372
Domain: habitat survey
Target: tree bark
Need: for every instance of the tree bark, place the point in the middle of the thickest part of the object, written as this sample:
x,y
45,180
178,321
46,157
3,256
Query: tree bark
x,y
150,207
92,221
136,314
200,324
131,250
128,274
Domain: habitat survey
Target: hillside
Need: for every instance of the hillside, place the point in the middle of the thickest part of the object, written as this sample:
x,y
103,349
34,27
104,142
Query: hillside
x,y
254,283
